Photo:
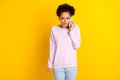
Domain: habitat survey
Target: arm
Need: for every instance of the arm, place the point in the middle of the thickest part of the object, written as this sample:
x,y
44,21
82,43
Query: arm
x,y
52,50
75,37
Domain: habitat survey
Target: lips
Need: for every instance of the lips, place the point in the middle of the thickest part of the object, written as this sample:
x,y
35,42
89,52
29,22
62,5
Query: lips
x,y
65,23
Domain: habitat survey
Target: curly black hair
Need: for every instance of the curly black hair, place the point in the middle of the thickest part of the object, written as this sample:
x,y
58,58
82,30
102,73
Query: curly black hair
x,y
65,8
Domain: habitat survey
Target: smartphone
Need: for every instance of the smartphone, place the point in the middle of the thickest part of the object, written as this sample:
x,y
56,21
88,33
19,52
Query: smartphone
x,y
70,23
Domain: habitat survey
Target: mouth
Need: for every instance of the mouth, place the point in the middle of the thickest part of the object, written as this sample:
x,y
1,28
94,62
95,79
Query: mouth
x,y
65,23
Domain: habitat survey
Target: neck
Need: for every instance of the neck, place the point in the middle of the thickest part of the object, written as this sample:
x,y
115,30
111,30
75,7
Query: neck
x,y
63,26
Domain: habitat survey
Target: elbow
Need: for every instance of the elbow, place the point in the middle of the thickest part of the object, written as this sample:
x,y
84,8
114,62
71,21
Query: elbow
x,y
76,46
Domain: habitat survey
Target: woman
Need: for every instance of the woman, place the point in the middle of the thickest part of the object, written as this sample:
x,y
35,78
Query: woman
x,y
64,42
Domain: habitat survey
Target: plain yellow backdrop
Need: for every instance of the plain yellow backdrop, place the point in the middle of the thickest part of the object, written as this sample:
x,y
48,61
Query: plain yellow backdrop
x,y
24,38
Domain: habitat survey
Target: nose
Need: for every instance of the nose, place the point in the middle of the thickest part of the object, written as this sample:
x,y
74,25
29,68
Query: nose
x,y
65,21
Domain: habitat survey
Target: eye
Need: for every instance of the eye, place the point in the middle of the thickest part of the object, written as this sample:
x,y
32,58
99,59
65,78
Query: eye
x,y
68,18
62,18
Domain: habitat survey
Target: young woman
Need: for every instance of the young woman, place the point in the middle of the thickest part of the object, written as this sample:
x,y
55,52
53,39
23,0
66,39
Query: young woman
x,y
64,42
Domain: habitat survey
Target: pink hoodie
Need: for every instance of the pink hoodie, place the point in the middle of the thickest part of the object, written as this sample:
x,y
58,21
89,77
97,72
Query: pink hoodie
x,y
63,47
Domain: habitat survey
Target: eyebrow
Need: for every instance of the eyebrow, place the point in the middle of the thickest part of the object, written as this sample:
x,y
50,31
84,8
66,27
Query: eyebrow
x,y
65,17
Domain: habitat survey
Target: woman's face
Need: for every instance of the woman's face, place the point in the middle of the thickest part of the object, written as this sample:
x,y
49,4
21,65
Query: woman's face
x,y
64,19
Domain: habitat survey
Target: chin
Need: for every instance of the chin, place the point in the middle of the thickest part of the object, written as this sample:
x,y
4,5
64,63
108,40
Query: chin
x,y
65,25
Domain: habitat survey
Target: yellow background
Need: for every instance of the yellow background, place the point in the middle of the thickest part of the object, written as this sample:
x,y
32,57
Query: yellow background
x,y
24,38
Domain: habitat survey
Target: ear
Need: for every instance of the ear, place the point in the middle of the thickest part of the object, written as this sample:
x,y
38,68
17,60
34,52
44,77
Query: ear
x,y
59,17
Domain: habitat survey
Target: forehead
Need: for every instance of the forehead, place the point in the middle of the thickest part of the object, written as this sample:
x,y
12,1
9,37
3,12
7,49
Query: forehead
x,y
65,14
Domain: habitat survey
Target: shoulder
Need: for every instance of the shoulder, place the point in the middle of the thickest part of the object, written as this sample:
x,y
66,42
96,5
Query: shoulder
x,y
76,26
54,27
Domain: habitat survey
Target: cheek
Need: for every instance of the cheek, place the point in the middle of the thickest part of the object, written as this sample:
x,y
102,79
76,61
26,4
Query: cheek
x,y
68,20
62,21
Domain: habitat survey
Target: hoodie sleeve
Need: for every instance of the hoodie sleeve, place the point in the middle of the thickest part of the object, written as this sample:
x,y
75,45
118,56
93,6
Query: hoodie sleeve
x,y
75,37
52,48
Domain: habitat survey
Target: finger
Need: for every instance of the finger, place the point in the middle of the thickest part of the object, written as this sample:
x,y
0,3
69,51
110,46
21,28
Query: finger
x,y
72,22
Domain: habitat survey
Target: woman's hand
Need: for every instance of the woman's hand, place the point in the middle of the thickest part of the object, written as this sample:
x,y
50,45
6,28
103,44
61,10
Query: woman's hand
x,y
72,26
48,69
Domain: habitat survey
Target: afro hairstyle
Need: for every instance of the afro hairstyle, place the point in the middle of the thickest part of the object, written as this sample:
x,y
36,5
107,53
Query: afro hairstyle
x,y
65,8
